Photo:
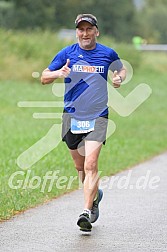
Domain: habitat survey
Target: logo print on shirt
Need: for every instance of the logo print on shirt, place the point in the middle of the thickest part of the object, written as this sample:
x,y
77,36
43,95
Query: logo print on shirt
x,y
88,69
80,56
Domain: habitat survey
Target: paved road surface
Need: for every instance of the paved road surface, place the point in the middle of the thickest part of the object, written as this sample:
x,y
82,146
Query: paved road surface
x,y
131,219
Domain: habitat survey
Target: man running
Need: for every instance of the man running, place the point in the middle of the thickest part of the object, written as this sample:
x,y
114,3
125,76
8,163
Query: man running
x,y
85,66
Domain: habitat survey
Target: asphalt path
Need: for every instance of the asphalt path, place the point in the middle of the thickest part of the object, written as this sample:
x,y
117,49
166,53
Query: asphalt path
x,y
133,217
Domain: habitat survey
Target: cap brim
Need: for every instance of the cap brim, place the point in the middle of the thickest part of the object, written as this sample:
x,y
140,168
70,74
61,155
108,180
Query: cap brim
x,y
86,19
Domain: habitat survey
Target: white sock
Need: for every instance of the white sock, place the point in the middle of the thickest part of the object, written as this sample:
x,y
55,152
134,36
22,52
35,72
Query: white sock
x,y
87,211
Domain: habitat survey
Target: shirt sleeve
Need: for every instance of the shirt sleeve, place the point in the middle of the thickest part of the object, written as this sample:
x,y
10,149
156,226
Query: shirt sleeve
x,y
116,63
59,60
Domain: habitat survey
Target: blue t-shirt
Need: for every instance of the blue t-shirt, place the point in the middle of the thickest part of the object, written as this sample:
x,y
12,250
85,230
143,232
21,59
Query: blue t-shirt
x,y
86,96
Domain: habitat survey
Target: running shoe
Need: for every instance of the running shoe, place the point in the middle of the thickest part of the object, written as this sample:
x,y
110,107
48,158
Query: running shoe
x,y
84,222
95,208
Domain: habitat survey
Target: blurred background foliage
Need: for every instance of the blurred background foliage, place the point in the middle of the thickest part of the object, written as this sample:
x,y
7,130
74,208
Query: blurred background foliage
x,y
117,18
22,53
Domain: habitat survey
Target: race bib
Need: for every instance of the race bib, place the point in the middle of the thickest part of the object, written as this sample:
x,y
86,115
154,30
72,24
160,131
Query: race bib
x,y
79,127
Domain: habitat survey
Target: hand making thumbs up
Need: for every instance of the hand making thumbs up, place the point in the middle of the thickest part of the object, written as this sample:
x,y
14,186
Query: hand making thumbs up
x,y
116,79
65,70
67,63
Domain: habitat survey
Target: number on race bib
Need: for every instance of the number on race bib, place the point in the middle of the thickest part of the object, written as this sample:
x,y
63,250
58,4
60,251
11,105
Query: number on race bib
x,y
78,127
83,124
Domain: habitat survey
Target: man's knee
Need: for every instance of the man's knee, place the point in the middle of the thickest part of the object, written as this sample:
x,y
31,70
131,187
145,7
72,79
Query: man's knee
x,y
90,165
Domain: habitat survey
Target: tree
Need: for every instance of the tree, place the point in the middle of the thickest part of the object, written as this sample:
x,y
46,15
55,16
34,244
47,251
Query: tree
x,y
6,14
67,10
117,18
32,14
153,21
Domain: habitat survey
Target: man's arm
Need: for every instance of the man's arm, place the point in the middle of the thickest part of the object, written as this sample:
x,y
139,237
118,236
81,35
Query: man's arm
x,y
49,76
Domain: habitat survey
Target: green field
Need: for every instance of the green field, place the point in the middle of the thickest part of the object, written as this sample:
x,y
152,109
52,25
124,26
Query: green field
x,y
138,137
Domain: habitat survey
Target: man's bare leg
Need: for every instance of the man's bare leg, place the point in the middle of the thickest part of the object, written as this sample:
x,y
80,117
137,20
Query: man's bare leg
x,y
87,167
91,172
79,163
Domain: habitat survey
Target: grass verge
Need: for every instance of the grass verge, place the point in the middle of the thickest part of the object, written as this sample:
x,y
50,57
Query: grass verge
x,y
137,137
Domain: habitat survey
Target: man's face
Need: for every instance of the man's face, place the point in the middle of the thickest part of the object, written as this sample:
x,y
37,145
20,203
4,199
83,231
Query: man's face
x,y
86,34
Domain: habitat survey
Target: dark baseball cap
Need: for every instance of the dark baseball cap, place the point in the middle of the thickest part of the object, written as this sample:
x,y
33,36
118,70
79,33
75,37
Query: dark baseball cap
x,y
86,17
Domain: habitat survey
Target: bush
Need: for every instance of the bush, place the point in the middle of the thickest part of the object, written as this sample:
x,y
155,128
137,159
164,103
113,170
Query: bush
x,y
24,53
